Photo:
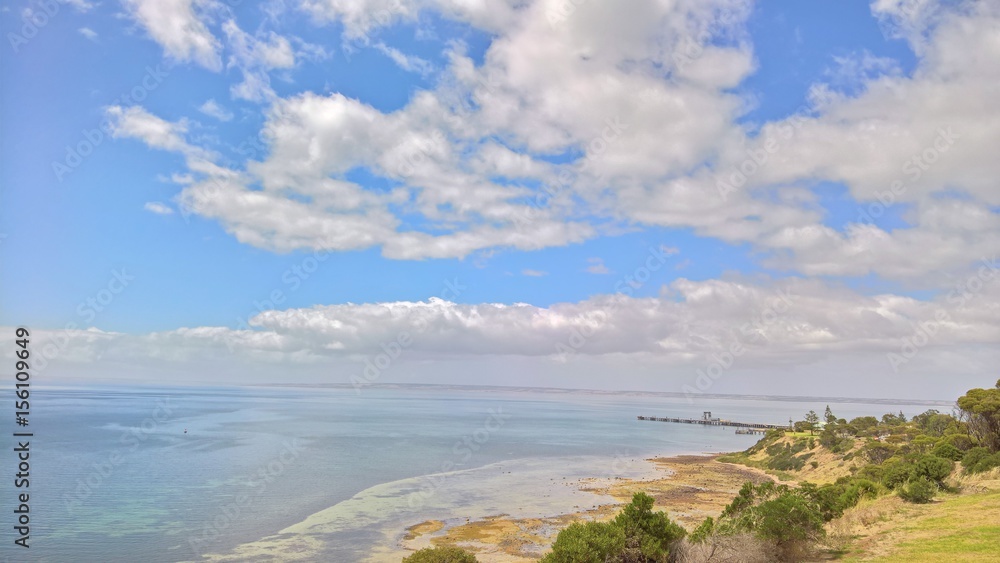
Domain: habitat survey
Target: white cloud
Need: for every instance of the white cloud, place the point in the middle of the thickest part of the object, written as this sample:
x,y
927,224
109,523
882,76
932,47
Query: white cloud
x,y
597,266
782,326
255,55
409,63
88,33
469,155
158,208
212,108
178,27
533,273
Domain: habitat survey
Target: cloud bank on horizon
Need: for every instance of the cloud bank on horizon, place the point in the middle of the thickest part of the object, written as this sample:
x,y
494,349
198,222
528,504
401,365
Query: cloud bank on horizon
x,y
774,228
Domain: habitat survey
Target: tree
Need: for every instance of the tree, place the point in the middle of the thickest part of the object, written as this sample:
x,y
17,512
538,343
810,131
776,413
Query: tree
x,y
980,408
443,554
828,416
876,452
812,419
864,423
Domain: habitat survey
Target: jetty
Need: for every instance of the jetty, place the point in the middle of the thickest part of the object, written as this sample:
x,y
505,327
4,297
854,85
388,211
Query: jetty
x,y
708,420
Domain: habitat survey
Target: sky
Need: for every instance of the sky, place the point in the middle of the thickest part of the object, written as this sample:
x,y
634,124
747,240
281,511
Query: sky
x,y
693,196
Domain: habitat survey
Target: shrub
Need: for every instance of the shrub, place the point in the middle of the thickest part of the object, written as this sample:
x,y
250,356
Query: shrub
x,y
979,460
947,450
827,499
934,468
441,555
919,491
654,530
856,490
590,542
637,531
814,464
703,532
896,473
790,521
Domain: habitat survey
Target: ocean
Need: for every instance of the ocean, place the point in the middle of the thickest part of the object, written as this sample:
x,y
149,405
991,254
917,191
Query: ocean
x,y
178,473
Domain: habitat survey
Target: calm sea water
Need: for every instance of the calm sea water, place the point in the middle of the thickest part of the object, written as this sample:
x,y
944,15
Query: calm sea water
x,y
114,476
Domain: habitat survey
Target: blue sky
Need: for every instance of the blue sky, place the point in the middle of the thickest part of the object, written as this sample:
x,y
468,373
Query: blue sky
x,y
304,94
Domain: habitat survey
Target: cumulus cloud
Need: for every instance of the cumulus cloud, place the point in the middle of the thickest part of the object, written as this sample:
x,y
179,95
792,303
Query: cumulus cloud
x,y
88,33
776,325
178,26
637,101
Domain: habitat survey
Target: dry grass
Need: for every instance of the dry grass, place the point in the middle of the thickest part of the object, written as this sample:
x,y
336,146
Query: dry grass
x,y
742,548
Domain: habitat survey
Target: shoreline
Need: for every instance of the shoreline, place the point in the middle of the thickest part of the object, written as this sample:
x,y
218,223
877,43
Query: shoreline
x,y
688,487
519,522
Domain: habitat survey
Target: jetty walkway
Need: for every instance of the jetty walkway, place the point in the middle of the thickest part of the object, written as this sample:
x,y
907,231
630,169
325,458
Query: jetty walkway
x,y
708,420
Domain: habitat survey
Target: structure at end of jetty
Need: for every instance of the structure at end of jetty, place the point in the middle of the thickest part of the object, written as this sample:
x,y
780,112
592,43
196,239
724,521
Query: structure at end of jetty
x,y
708,420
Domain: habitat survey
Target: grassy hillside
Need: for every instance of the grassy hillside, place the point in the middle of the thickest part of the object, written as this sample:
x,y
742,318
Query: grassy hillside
x,y
962,523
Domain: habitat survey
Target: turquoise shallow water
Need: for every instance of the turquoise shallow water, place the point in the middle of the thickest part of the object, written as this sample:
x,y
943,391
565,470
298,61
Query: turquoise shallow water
x,y
116,478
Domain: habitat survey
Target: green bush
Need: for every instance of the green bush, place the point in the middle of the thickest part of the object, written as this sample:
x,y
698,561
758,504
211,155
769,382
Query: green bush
x,y
857,490
654,530
636,525
703,531
919,491
442,555
788,520
590,542
897,473
827,499
979,460
947,450
934,468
